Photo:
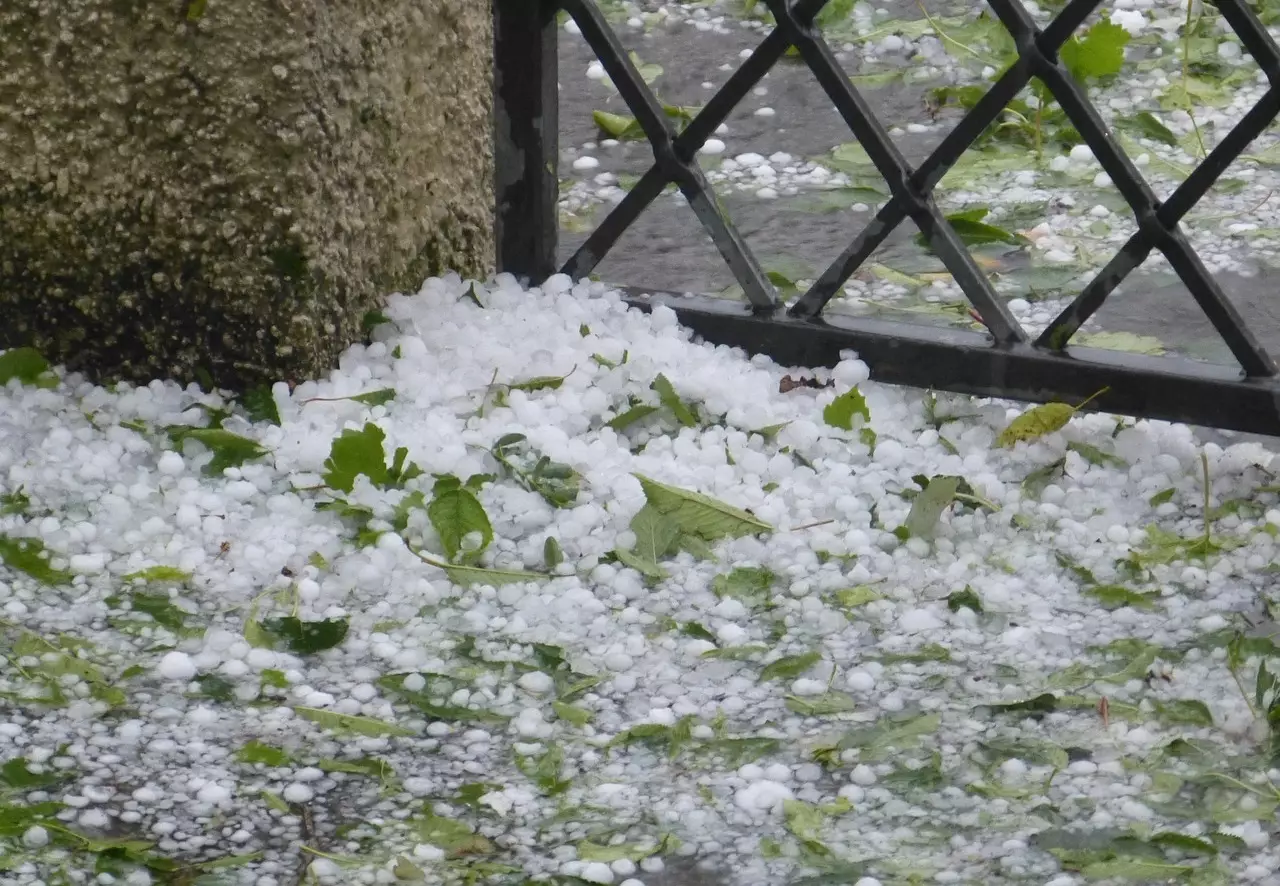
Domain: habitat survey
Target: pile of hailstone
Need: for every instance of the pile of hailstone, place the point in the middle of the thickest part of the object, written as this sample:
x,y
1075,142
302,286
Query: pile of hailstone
x,y
535,589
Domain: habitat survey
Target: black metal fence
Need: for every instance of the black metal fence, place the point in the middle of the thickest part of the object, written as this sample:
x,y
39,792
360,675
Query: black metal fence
x,y
1004,361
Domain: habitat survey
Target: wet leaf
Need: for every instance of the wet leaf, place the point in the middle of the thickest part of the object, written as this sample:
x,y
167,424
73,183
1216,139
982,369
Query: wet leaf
x,y
354,453
839,412
789,666
552,555
751,584
1121,341
966,599
455,513
655,533
618,126
373,767
861,595
822,705
684,413
307,637
475,575
1098,53
1118,596
1147,125
1036,422
24,364
700,515
1132,869
18,775
890,732
927,508
631,416
229,450
349,723
268,755
159,574
260,404
1095,456
571,714
26,555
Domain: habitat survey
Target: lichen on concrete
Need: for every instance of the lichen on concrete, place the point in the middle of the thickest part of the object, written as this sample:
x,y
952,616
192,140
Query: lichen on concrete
x,y
228,187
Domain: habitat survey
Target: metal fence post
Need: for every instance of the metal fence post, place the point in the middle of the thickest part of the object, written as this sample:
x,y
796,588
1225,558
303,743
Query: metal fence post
x,y
526,136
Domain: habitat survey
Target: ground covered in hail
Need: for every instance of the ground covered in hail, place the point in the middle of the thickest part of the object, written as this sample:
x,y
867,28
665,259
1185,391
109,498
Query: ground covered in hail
x,y
535,589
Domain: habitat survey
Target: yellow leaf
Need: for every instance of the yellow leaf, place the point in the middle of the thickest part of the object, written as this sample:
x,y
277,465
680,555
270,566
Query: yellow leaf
x,y
1040,420
1036,422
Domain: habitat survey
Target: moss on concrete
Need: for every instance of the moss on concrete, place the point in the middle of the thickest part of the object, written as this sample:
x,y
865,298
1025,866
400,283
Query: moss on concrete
x,y
230,185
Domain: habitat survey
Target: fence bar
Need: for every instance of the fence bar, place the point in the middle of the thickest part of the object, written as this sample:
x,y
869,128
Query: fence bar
x,y
965,362
526,135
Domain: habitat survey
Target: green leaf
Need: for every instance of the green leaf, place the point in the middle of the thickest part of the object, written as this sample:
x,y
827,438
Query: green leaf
x,y
260,404
350,723
406,870
861,595
700,515
216,687
373,767
17,775
569,713
1037,480
927,508
789,666
475,575
1095,456
449,834
354,453
552,555
737,653
161,609
737,751
24,364
647,568
1183,843
268,755
684,413
274,802
455,512
27,555
927,652
372,320
1044,703
229,450
839,412
618,126
160,574
751,584
966,599
308,637
1118,596
977,233
1099,53
1121,341
1133,869
822,705
890,732
655,533
374,398
540,383
447,713
1147,125
806,821
631,416
589,851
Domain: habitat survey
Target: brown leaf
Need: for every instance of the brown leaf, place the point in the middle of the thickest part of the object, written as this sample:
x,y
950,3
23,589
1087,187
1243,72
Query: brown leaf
x,y
790,383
